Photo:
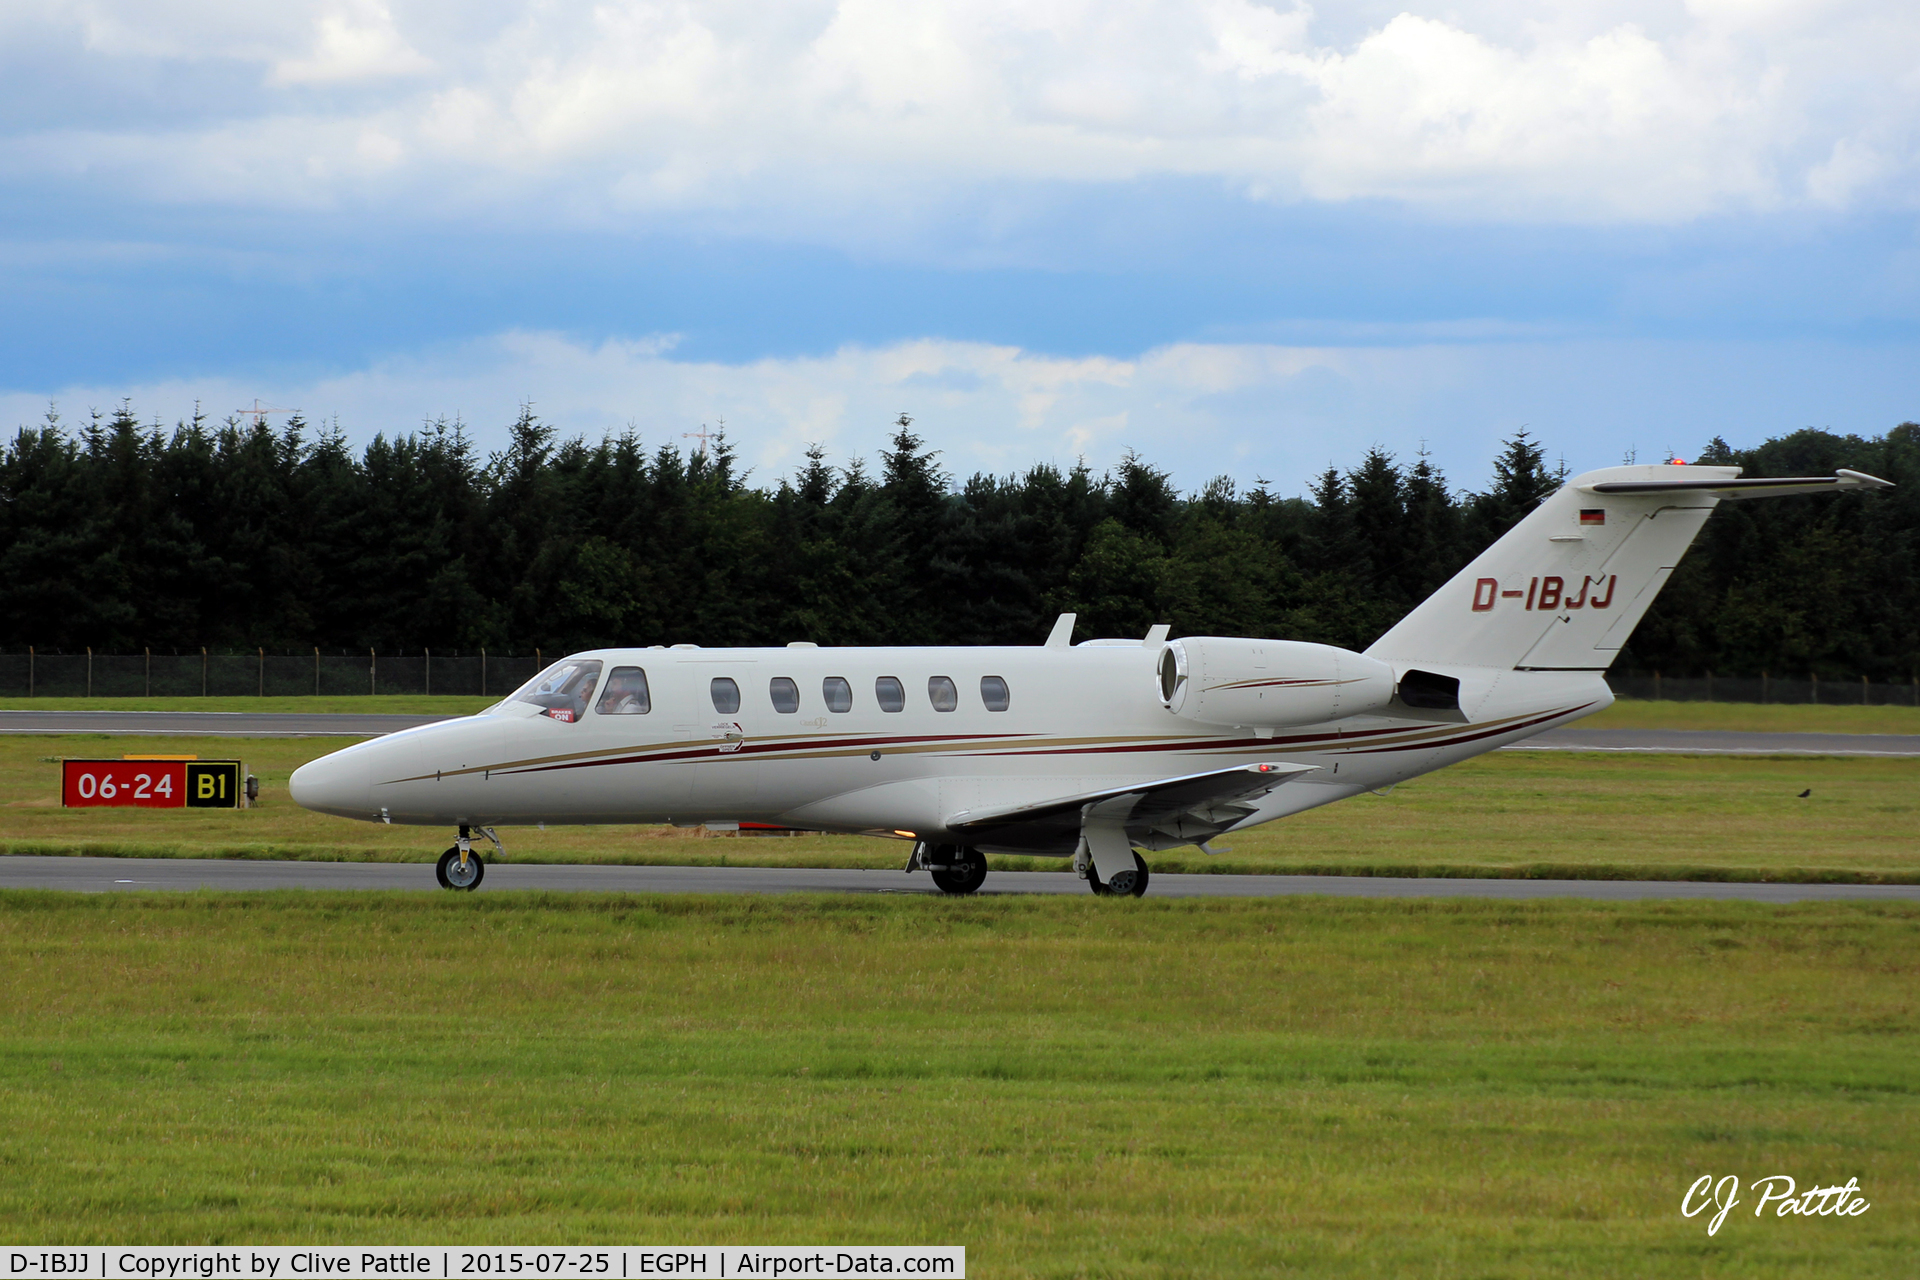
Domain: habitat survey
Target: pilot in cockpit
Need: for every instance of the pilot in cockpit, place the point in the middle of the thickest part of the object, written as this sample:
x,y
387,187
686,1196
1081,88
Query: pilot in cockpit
x,y
626,694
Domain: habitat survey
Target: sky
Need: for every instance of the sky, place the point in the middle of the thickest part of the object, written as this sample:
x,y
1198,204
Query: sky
x,y
1236,238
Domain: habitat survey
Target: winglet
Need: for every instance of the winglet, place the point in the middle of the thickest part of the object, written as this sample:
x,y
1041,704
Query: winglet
x,y
1061,637
1860,480
1157,634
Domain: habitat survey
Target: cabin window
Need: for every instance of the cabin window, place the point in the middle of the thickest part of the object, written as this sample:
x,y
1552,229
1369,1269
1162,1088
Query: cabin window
x,y
562,690
785,694
942,694
726,695
890,693
993,692
838,693
625,695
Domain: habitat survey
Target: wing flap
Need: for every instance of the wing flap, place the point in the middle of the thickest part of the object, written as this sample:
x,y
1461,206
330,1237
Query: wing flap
x,y
1203,803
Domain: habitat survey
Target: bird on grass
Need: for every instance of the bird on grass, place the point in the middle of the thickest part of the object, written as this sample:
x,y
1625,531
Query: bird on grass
x,y
1804,794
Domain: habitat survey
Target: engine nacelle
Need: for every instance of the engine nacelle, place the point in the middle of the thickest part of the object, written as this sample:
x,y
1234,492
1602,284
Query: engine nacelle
x,y
1265,684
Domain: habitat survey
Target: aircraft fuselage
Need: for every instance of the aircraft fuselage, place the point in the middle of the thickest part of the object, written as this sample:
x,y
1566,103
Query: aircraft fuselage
x,y
717,743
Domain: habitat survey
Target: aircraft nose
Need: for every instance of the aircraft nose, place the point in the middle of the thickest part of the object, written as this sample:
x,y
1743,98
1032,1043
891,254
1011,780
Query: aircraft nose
x,y
337,784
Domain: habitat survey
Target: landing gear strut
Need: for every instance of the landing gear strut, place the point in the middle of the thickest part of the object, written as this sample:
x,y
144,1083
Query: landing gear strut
x,y
460,867
1124,884
955,867
1104,845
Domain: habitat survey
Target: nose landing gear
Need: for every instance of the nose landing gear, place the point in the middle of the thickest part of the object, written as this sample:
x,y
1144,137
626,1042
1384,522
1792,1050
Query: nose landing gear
x,y
460,867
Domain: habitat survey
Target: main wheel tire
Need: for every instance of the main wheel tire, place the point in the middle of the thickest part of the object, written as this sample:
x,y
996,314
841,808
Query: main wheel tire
x,y
970,871
1128,884
453,876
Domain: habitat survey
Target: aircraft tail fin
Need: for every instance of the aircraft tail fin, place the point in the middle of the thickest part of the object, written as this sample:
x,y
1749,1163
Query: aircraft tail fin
x,y
1564,588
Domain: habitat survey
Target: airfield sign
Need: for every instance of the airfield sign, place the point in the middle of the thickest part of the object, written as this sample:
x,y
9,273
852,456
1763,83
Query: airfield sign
x,y
152,784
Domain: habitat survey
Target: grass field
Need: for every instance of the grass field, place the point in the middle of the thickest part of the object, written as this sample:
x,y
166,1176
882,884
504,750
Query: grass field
x,y
1756,717
1510,813
1065,1086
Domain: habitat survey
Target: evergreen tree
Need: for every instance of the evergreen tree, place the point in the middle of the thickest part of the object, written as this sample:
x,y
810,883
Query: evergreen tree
x,y
119,534
1377,516
1432,550
1521,482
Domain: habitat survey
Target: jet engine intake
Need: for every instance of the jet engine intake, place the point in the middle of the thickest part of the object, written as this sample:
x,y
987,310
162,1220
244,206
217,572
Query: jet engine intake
x,y
1265,684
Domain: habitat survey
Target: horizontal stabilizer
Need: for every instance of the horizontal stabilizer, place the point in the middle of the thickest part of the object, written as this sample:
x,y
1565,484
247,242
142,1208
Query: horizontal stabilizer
x,y
1208,802
1758,487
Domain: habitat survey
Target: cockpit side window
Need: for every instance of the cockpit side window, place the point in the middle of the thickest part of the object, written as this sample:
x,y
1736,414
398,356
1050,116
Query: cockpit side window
x,y
562,690
626,694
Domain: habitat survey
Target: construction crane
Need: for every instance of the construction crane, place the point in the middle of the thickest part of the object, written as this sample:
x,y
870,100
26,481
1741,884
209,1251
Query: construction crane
x,y
260,411
703,435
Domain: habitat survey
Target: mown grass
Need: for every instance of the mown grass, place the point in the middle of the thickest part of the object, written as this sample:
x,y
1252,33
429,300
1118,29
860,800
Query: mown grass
x,y
1067,1087
1536,814
1754,717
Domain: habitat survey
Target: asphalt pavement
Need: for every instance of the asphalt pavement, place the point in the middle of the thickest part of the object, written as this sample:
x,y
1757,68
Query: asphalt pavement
x,y
101,875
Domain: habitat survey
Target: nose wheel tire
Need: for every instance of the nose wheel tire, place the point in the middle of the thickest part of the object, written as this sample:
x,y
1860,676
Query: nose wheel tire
x,y
454,876
968,871
1128,884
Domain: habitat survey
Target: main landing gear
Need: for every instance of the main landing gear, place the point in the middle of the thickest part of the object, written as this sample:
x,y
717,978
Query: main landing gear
x,y
956,868
1105,847
1124,884
460,867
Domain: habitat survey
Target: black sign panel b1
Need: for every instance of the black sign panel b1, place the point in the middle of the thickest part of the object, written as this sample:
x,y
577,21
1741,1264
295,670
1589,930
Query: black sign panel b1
x,y
213,784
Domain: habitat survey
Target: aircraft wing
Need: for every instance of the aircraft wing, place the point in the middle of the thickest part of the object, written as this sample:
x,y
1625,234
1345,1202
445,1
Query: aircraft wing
x,y
1187,809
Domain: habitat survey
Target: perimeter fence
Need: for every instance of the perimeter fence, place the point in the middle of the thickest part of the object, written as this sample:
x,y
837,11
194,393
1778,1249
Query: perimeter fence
x,y
260,673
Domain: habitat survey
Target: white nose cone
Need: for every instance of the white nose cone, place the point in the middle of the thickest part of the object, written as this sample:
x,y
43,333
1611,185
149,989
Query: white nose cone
x,y
337,784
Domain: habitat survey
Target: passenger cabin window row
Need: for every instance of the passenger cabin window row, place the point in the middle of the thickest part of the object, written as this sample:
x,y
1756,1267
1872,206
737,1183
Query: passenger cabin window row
x,y
888,692
563,689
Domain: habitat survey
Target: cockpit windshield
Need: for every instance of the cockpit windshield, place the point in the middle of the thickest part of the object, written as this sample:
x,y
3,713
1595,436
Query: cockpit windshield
x,y
562,690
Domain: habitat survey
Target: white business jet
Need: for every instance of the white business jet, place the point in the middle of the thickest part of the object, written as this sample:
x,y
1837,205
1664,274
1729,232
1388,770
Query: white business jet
x,y
1087,751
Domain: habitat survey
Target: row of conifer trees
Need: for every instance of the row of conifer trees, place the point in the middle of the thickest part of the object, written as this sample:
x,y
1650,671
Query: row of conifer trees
x,y
120,536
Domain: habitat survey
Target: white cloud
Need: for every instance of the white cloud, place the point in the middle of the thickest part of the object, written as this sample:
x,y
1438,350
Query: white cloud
x,y
1423,110
356,41
789,115
1196,409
